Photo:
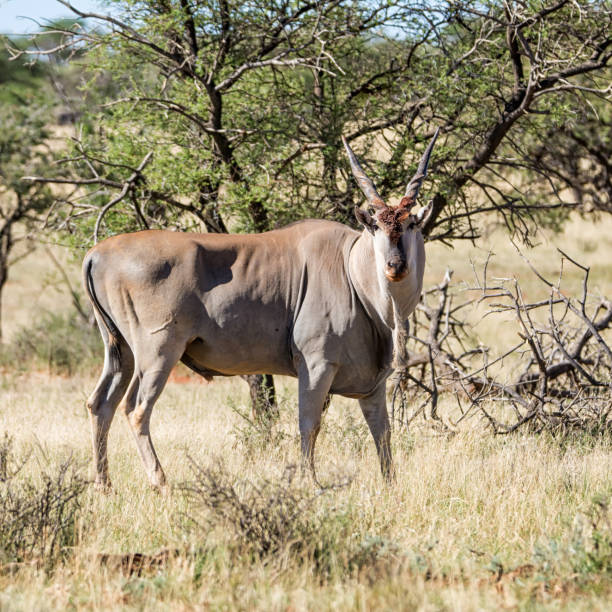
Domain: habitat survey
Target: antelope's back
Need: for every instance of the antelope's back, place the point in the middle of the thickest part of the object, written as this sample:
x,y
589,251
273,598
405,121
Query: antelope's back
x,y
232,299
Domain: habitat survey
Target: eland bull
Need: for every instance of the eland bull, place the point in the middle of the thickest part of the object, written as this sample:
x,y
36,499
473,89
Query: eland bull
x,y
316,300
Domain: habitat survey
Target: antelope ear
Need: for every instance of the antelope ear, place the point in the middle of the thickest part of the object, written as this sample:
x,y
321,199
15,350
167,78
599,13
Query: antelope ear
x,y
424,214
364,217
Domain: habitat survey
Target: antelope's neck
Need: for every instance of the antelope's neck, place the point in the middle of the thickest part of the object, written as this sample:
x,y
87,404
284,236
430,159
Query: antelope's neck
x,y
378,294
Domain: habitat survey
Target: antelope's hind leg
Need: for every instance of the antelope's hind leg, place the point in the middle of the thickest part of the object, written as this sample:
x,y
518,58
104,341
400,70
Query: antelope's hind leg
x,y
111,387
154,362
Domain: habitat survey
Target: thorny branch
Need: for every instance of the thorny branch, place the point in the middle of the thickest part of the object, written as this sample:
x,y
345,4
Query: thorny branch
x,y
557,50
558,376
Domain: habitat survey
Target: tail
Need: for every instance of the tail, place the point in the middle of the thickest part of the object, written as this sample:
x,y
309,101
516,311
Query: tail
x,y
114,349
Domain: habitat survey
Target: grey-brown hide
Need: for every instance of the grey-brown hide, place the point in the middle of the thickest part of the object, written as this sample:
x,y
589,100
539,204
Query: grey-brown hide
x,y
312,300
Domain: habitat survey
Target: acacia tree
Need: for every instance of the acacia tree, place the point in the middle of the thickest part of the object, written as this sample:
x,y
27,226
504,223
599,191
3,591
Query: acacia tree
x,y
242,107
578,155
230,115
22,205
513,86
23,149
190,136
193,86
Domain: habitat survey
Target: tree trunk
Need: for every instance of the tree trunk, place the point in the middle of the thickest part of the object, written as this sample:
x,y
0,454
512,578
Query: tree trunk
x,y
3,279
6,243
263,396
1,336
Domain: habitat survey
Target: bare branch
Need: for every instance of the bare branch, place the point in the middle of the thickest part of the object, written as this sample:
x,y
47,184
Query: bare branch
x,y
129,184
566,377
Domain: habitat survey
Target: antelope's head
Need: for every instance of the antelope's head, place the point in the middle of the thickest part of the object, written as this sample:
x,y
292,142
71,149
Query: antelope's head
x,y
396,230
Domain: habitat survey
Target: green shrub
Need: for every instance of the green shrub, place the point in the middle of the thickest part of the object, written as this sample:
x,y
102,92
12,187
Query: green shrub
x,y
281,522
61,343
587,555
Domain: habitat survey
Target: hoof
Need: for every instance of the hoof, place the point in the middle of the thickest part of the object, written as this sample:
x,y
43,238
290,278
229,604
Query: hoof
x,y
160,485
164,489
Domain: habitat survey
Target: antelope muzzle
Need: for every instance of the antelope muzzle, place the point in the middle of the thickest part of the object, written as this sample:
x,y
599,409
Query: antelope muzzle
x,y
395,269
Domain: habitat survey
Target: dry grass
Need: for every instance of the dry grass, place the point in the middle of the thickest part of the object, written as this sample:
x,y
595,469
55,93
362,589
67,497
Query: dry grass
x,y
463,509
473,521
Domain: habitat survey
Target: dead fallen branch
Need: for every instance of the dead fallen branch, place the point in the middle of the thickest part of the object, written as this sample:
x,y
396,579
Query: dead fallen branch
x,y
560,370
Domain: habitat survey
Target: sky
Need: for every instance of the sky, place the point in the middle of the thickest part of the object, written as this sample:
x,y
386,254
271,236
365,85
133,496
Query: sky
x,y
14,13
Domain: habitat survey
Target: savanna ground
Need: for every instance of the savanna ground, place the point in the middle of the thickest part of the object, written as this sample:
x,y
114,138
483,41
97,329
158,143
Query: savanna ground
x,y
473,521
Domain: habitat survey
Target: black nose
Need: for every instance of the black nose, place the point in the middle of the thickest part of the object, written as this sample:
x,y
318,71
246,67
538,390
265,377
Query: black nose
x,y
396,265
396,268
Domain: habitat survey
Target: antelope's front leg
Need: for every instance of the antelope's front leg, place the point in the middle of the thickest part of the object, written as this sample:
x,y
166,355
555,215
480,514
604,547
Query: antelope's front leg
x,y
374,409
314,382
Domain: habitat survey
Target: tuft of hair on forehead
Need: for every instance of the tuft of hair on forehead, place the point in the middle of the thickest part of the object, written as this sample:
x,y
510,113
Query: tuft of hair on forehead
x,y
391,221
